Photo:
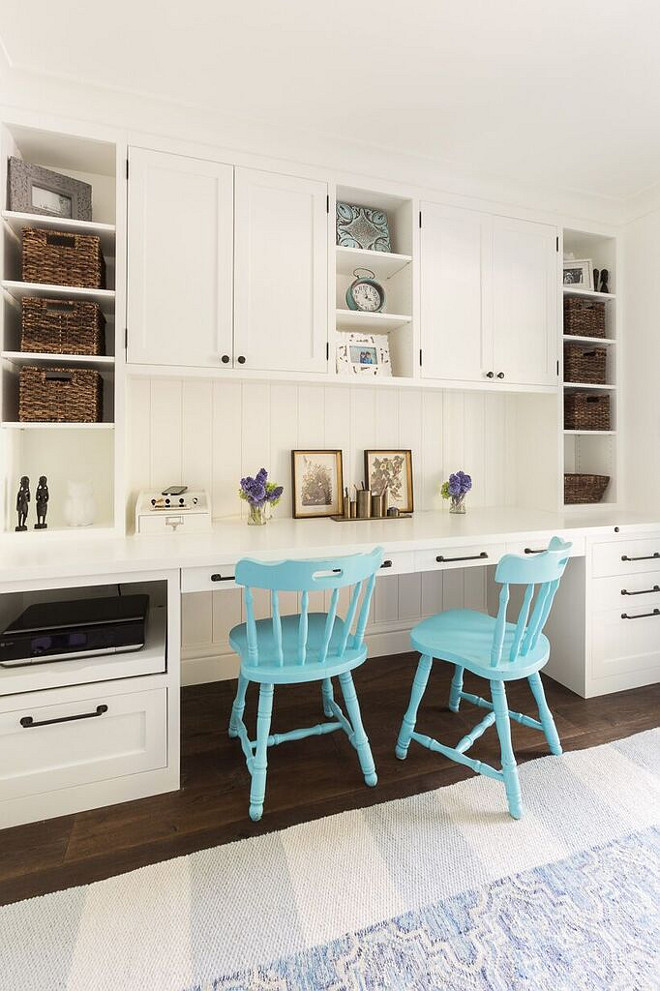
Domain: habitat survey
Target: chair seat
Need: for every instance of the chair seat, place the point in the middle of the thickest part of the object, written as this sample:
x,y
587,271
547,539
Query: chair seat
x,y
292,671
465,637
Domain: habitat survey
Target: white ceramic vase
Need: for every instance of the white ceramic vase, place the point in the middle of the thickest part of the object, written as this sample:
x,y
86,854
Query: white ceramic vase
x,y
80,505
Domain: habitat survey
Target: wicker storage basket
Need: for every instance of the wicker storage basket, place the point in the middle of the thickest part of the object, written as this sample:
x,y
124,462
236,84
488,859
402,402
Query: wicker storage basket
x,y
584,317
585,411
63,259
60,395
581,365
61,326
584,488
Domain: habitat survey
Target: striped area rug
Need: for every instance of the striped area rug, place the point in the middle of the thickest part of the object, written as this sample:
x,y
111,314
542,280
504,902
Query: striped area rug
x,y
442,890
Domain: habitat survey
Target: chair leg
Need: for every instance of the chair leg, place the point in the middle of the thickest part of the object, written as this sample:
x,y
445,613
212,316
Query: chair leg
x,y
418,688
328,696
258,787
238,707
509,768
547,721
456,689
359,736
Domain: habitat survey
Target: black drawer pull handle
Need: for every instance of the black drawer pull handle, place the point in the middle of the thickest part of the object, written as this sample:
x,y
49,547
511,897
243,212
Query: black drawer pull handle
x,y
223,578
535,550
647,557
386,564
472,557
641,591
28,721
642,615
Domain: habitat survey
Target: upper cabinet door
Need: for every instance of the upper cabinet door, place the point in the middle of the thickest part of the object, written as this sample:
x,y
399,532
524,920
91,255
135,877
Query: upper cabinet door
x,y
454,268
524,302
180,248
281,273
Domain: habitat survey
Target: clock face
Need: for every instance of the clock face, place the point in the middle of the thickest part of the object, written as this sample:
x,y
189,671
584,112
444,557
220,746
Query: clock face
x,y
366,297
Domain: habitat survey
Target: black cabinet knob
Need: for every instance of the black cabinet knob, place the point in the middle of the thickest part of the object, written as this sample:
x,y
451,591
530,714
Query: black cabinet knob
x,y
241,359
225,359
490,375
500,375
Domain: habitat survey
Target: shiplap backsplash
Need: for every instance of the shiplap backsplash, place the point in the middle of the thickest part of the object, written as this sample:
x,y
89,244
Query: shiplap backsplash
x,y
208,434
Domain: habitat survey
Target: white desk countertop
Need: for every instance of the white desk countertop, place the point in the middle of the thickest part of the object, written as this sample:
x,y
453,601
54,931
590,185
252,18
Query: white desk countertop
x,y
44,555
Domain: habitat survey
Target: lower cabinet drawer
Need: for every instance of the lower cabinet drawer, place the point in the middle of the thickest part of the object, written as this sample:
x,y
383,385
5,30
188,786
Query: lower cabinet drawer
x,y
626,556
629,593
458,557
531,547
401,563
45,747
208,579
625,641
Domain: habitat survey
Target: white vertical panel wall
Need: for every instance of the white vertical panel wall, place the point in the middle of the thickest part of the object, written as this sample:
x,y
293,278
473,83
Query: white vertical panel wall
x,y
210,433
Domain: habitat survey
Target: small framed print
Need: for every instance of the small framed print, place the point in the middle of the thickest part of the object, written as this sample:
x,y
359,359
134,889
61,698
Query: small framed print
x,y
33,189
579,273
391,470
318,483
364,355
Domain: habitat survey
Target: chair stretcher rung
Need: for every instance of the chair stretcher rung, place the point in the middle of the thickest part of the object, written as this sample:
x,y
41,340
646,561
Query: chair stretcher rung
x,y
519,717
475,733
453,754
299,734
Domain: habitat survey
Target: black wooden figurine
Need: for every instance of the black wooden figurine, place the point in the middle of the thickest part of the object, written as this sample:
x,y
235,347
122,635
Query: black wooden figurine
x,y
604,276
23,502
41,499
596,274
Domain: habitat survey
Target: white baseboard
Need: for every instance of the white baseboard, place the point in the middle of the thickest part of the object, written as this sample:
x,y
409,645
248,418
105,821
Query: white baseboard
x,y
217,662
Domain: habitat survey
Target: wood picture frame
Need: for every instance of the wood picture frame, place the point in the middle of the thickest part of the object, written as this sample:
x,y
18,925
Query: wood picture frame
x,y
317,479
391,469
33,189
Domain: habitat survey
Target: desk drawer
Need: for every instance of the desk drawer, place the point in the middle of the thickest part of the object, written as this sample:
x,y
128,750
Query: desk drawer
x,y
208,579
626,556
74,741
444,558
625,646
627,593
401,563
530,547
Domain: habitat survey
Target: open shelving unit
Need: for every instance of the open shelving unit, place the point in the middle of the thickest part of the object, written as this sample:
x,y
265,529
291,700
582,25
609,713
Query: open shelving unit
x,y
595,451
62,451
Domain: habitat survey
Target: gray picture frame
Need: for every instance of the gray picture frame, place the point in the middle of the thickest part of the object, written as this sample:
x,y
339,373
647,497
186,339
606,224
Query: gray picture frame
x,y
23,179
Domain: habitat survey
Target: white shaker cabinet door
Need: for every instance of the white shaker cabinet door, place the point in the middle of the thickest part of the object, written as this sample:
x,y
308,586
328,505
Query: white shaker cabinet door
x,y
180,254
524,302
454,280
281,273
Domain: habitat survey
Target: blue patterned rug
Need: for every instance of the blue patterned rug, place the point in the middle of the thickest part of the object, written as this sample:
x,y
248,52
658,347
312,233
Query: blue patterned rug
x,y
439,891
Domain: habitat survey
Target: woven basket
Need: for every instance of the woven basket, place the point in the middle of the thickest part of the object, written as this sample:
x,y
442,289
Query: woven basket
x,y
584,411
584,488
62,259
582,365
60,395
61,326
584,317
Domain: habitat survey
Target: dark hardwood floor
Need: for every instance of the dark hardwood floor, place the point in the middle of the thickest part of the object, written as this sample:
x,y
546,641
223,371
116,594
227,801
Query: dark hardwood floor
x,y
306,780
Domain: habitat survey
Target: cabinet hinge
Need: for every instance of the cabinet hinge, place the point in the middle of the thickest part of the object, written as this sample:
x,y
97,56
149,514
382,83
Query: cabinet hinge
x,y
557,366
126,339
420,357
420,218
327,351
127,168
327,203
557,244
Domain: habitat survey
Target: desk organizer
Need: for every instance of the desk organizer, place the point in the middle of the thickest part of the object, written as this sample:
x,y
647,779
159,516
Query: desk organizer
x,y
370,519
63,259
584,488
584,411
584,317
62,326
60,395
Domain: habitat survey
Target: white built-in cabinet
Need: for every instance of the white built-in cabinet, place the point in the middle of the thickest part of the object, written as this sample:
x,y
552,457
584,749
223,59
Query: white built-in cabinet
x,y
225,267
488,298
180,259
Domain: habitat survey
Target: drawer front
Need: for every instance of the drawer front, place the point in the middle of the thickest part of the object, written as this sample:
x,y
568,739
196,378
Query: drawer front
x,y
531,547
625,645
444,558
628,593
401,563
174,523
208,579
626,556
42,748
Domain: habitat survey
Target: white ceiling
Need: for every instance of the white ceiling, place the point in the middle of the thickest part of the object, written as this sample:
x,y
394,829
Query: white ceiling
x,y
564,93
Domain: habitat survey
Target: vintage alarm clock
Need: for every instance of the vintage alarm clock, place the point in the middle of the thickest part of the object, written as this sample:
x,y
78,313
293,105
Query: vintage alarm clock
x,y
364,293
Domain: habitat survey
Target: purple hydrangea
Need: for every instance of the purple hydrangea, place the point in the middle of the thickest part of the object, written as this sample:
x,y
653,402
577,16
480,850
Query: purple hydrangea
x,y
459,483
258,490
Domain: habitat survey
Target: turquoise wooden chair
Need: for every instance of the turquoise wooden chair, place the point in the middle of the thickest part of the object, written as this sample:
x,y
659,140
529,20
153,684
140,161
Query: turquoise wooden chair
x,y
498,651
317,646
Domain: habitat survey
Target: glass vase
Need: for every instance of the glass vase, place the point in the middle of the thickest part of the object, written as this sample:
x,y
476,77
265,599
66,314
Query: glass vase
x,y
258,515
457,504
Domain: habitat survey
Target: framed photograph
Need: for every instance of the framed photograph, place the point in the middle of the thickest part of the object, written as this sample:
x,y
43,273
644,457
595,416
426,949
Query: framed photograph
x,y
318,483
579,273
33,189
364,354
391,470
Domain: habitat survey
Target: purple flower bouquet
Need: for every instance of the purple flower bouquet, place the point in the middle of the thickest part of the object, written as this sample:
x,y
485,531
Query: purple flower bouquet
x,y
456,488
260,495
